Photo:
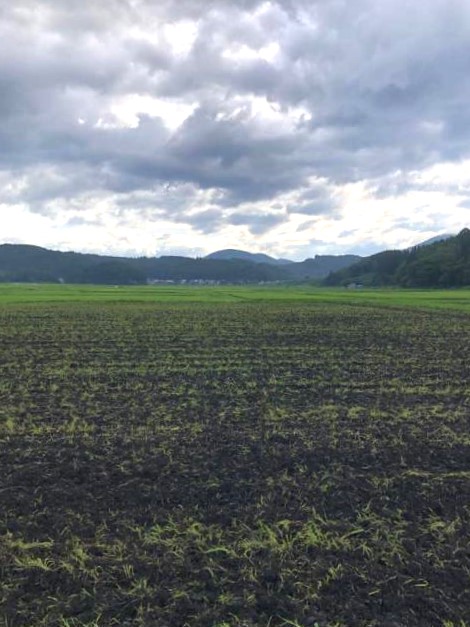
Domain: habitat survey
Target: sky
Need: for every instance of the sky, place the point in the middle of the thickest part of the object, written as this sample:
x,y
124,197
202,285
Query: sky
x,y
290,127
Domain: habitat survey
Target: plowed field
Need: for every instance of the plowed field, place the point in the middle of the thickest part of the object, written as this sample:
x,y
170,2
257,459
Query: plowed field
x,y
241,464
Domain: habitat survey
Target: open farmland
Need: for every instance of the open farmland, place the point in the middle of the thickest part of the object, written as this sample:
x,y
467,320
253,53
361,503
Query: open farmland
x,y
301,459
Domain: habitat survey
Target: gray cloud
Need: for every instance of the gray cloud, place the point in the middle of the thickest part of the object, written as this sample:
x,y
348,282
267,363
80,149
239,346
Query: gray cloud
x,y
206,221
359,91
319,199
257,223
80,221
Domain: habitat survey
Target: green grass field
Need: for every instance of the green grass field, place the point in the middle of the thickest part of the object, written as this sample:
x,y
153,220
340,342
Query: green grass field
x,y
41,293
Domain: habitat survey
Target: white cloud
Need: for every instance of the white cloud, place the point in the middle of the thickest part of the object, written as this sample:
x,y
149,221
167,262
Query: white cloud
x,y
180,36
125,111
284,125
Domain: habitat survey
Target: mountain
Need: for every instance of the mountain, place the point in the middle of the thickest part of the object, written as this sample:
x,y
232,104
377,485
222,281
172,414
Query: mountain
x,y
228,271
23,263
444,263
433,240
242,255
319,267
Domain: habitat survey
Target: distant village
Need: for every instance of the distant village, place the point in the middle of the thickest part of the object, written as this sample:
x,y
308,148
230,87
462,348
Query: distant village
x,y
205,282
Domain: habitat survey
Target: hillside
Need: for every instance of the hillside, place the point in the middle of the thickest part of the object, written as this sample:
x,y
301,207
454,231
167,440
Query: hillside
x,y
445,263
23,263
436,238
319,267
242,255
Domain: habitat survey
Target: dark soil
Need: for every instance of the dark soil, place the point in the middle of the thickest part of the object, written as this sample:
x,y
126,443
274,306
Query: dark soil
x,y
228,465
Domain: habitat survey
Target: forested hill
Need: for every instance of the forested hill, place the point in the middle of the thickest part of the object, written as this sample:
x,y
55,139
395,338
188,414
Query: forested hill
x,y
25,263
442,264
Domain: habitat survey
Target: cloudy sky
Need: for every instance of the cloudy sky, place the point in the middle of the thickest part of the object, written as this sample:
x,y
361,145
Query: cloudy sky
x,y
292,127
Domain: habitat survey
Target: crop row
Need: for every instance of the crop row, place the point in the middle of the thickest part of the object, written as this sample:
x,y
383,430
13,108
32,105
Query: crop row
x,y
242,464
